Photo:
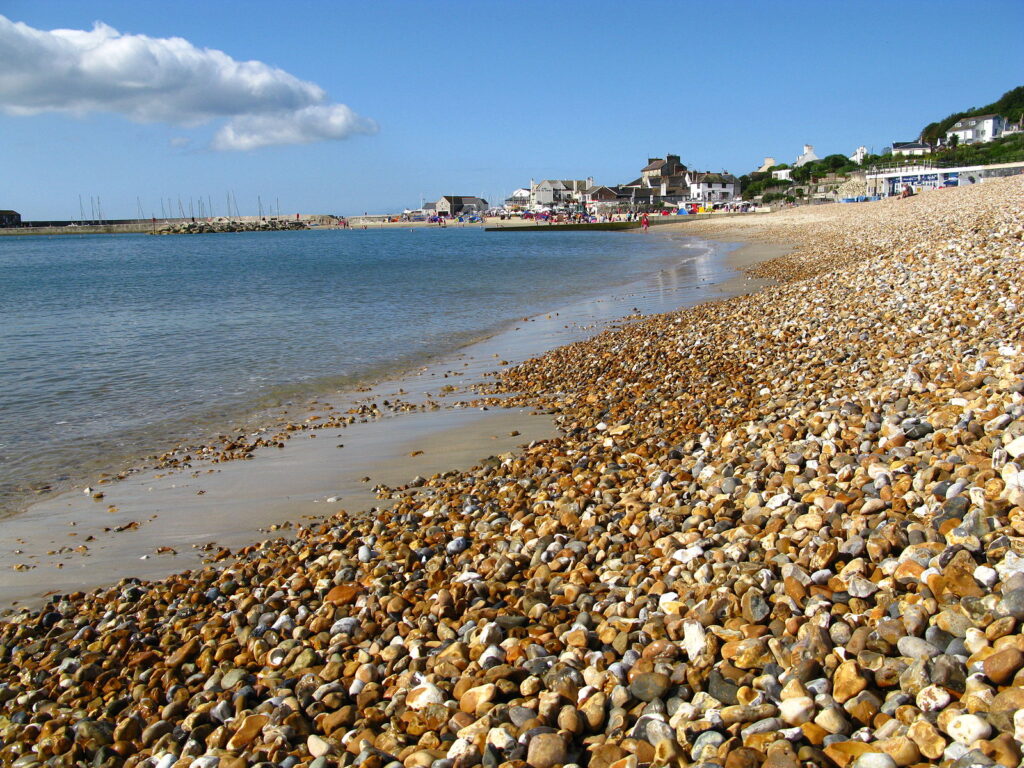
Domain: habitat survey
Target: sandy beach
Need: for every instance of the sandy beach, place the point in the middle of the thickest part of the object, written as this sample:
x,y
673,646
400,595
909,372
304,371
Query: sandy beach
x,y
783,528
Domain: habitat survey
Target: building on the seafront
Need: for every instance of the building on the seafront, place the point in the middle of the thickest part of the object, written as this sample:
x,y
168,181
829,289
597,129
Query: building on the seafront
x,y
557,193
659,171
807,156
664,178
783,174
977,130
456,205
858,156
668,180
712,187
910,148
603,194
519,200
10,219
886,182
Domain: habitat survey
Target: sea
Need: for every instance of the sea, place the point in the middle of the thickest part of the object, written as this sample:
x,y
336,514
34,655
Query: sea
x,y
118,347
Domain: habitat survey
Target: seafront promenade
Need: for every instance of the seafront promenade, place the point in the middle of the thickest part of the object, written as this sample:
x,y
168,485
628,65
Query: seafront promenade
x,y
777,530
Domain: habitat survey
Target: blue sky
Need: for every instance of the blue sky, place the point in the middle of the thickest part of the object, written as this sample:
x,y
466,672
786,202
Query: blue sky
x,y
401,99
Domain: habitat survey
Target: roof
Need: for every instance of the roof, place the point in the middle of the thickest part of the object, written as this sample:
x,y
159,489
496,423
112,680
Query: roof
x,y
654,164
634,183
9,213
713,178
972,120
910,145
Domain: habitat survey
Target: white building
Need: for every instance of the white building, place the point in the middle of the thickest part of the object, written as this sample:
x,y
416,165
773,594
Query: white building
x,y
519,199
712,187
910,148
977,130
858,156
922,178
558,192
785,174
807,156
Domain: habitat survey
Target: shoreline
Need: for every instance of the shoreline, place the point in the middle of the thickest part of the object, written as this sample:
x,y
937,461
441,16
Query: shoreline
x,y
141,512
779,529
261,413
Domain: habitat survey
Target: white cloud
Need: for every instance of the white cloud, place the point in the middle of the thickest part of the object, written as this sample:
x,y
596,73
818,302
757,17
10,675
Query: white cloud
x,y
303,126
164,80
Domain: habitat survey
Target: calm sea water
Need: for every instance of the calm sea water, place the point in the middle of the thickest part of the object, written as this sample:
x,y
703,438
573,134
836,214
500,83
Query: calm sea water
x,y
114,346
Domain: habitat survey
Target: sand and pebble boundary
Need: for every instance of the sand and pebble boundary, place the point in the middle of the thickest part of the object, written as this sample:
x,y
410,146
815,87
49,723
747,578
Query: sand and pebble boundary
x,y
190,503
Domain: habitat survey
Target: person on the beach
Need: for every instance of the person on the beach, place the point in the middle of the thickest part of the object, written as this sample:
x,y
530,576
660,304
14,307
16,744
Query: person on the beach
x,y
645,221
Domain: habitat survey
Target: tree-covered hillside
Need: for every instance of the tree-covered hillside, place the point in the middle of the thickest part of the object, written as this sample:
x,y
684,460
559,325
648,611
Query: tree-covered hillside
x,y
1010,105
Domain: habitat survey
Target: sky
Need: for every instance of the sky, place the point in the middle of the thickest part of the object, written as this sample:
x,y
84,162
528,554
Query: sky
x,y
352,107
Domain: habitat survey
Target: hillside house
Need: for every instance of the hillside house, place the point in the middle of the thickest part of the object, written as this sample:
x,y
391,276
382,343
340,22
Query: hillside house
x,y
910,148
807,156
977,130
1011,128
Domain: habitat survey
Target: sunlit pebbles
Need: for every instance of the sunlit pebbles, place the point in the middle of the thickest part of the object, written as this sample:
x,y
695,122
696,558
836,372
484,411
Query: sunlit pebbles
x,y
778,530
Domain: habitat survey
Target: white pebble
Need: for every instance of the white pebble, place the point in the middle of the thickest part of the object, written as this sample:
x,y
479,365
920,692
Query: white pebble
x,y
967,729
1016,447
797,711
932,698
985,575
874,760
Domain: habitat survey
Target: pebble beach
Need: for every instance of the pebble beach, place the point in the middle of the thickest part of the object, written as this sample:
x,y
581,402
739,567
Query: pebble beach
x,y
783,529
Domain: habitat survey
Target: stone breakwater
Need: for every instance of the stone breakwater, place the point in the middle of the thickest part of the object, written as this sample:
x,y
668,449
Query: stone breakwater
x,y
780,530
216,227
